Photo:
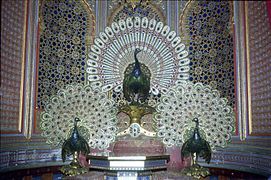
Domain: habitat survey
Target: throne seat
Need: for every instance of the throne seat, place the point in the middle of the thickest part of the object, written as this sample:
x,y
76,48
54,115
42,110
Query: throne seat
x,y
138,146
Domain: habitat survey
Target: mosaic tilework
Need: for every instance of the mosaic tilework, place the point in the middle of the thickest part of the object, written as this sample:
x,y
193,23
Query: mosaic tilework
x,y
260,66
63,46
12,58
206,26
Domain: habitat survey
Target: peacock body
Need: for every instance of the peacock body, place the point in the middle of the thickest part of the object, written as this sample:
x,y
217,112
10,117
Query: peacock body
x,y
75,143
196,145
136,84
161,52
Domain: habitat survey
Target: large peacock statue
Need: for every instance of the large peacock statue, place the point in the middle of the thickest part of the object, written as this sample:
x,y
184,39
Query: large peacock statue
x,y
116,66
136,84
162,55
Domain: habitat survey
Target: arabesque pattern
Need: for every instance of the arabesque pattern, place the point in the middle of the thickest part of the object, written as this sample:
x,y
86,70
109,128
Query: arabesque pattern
x,y
66,30
207,29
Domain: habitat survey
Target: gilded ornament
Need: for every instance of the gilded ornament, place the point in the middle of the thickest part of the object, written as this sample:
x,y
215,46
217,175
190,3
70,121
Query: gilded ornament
x,y
61,37
211,5
196,171
47,65
68,61
62,6
135,113
46,50
212,68
212,53
69,31
197,9
46,83
45,98
76,40
213,84
212,36
77,10
60,69
47,32
60,84
212,21
205,31
60,53
75,70
75,55
62,22
58,21
74,168
150,9
197,24
198,39
198,70
227,82
48,17
76,25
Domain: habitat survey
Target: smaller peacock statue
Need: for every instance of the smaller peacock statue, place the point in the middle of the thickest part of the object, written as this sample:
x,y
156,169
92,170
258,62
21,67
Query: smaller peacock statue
x,y
73,146
196,147
136,84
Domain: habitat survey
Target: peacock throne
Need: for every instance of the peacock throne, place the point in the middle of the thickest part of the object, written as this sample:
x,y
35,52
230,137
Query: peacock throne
x,y
138,100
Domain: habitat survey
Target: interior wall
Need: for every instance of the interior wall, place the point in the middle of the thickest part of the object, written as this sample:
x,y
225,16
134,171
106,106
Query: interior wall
x,y
251,150
24,44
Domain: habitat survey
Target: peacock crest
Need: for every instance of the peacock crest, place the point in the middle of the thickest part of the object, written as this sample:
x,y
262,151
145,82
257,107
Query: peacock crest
x,y
162,54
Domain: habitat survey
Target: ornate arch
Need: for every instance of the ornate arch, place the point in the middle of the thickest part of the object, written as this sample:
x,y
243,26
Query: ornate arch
x,y
67,29
207,29
127,9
